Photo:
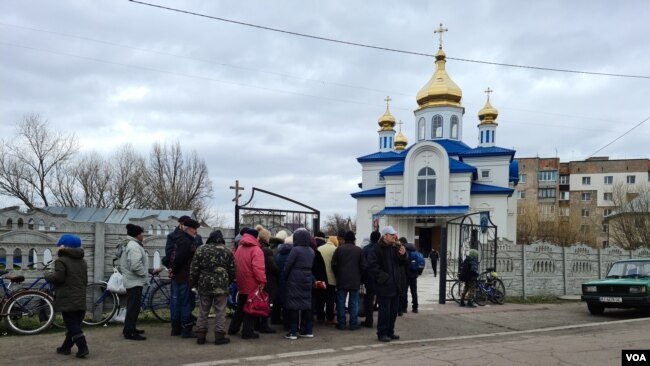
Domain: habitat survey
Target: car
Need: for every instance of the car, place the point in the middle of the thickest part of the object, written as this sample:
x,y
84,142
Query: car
x,y
627,285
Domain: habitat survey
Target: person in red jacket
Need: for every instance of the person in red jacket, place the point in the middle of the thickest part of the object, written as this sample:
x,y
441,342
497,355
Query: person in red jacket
x,y
251,276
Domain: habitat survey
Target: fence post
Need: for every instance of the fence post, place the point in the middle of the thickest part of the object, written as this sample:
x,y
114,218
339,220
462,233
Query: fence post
x,y
442,279
99,251
523,270
564,269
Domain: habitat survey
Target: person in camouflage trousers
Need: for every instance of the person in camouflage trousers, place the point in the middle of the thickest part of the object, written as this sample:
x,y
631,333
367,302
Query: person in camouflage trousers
x,y
211,273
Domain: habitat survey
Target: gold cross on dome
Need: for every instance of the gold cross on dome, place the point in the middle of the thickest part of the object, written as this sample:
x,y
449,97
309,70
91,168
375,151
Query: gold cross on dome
x,y
488,91
400,123
440,30
387,100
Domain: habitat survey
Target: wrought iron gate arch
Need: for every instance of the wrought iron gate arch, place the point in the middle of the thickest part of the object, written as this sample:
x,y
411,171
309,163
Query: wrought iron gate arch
x,y
471,231
309,218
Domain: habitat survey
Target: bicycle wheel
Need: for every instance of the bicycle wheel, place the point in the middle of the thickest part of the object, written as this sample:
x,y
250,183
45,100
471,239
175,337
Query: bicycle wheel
x,y
480,296
29,312
456,291
101,304
499,296
58,321
159,302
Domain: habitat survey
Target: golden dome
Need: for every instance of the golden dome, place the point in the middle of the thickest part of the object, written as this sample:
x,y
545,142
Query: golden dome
x,y
488,114
440,90
387,121
400,140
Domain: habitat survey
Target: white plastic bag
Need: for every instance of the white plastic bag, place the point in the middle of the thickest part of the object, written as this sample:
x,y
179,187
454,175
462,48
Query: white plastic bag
x,y
116,283
119,316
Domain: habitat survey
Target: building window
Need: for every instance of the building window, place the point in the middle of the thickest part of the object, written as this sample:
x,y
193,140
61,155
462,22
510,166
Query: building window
x,y
546,193
426,186
605,243
585,196
564,211
584,229
436,131
521,194
421,129
607,212
523,178
605,228
454,127
608,196
586,181
485,173
609,180
585,212
547,210
565,196
547,176
631,179
564,179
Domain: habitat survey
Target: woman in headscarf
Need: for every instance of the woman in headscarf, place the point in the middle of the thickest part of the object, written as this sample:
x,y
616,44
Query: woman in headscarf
x,y
299,281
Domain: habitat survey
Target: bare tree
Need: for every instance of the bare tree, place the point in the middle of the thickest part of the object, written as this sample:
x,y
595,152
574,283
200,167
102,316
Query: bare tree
x,y
335,222
29,162
173,182
527,222
127,185
629,225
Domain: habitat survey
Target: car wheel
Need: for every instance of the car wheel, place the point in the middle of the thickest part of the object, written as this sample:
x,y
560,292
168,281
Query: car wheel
x,y
596,309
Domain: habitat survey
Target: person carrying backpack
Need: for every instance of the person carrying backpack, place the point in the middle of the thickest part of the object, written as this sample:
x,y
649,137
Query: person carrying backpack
x,y
468,274
414,268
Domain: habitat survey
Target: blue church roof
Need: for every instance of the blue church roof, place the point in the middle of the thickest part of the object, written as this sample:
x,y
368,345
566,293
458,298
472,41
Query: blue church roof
x,y
375,192
397,169
453,147
424,210
455,166
488,151
514,172
478,188
383,156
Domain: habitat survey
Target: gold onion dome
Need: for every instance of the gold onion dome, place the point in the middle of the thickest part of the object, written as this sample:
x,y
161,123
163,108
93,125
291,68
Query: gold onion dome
x,y
440,90
488,114
387,121
400,140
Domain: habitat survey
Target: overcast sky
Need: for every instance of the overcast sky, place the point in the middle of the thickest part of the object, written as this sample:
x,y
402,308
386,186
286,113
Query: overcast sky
x,y
291,114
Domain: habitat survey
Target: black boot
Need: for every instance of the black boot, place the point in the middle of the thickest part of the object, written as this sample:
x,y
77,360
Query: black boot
x,y
264,326
220,338
470,304
186,332
176,328
66,346
200,337
82,347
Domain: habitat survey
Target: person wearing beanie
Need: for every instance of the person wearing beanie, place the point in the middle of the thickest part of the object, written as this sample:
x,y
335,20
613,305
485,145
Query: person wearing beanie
x,y
327,251
272,275
211,273
348,265
134,268
279,313
70,278
182,300
369,281
298,276
469,273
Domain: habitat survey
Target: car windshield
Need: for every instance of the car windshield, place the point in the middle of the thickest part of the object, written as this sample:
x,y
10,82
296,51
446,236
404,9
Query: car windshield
x,y
629,270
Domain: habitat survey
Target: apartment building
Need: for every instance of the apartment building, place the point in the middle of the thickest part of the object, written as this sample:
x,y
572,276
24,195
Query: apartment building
x,y
583,189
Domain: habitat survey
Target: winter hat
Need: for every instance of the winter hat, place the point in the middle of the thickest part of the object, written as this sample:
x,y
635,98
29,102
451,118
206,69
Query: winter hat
x,y
192,223
69,241
263,234
216,237
183,219
133,230
289,240
374,236
281,235
387,230
349,237
341,234
301,237
334,240
252,232
473,253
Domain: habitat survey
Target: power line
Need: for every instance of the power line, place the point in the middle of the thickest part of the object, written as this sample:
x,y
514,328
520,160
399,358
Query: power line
x,y
621,136
349,43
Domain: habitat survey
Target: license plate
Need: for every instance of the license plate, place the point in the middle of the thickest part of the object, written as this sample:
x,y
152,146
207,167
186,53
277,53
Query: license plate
x,y
611,299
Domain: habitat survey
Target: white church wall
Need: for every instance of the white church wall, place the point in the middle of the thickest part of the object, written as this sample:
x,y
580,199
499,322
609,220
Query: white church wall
x,y
394,191
497,205
370,174
459,189
499,167
445,113
426,154
366,207
511,231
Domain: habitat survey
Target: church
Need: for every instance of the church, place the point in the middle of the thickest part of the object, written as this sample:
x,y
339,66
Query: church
x,y
418,188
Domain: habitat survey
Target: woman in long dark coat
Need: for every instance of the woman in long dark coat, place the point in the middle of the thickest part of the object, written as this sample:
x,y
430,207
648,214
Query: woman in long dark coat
x,y
299,282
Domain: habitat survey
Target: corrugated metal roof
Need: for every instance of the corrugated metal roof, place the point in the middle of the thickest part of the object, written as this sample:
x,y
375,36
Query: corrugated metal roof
x,y
113,215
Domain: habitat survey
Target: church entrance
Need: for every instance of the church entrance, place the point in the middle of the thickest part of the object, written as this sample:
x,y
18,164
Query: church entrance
x,y
427,239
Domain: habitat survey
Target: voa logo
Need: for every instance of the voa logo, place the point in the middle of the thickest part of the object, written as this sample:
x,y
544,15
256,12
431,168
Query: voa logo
x,y
635,357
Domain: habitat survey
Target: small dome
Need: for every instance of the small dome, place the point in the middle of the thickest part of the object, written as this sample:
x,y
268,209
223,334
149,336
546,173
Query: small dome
x,y
400,140
387,121
488,114
440,90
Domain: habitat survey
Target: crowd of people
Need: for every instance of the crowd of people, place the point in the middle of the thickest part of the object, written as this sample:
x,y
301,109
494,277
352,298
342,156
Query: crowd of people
x,y
328,280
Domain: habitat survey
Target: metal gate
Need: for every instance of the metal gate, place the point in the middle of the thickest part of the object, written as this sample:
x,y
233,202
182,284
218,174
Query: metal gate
x,y
274,219
471,231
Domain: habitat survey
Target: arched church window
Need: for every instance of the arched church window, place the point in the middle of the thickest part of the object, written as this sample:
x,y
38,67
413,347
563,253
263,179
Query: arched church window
x,y
426,186
10,224
421,129
436,131
454,127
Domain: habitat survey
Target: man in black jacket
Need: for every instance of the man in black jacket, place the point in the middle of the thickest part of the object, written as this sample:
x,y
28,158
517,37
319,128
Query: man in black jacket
x,y
369,281
348,264
386,264
182,302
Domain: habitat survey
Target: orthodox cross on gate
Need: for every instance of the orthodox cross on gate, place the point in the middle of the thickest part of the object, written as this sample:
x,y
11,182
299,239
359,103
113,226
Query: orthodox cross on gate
x,y
387,101
237,188
440,31
488,91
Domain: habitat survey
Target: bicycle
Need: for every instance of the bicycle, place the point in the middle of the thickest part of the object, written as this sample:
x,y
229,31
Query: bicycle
x,y
489,287
25,311
102,304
